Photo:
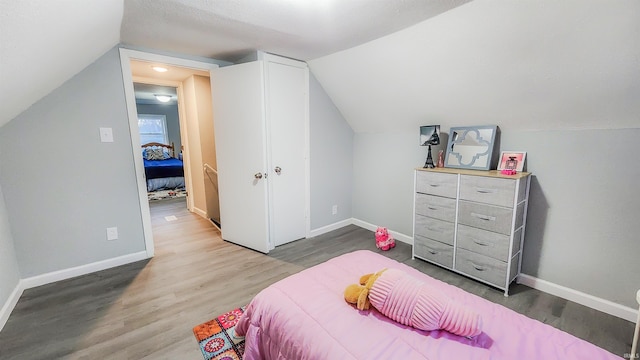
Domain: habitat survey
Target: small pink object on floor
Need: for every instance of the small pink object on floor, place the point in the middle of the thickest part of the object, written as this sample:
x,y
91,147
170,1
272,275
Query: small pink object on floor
x,y
384,240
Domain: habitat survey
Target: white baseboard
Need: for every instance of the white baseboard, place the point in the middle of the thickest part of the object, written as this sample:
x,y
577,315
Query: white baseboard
x,y
398,236
606,306
325,229
10,304
64,274
200,212
59,275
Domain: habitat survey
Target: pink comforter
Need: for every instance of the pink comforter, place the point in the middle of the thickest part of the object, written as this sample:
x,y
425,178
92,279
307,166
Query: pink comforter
x,y
305,317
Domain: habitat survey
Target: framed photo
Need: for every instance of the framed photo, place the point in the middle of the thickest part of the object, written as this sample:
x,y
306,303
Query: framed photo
x,y
512,160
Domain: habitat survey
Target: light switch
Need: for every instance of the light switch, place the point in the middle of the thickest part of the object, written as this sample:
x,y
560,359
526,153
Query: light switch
x,y
106,134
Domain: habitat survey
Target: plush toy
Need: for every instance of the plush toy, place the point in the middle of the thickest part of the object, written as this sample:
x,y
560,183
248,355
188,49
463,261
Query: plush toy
x,y
409,301
384,240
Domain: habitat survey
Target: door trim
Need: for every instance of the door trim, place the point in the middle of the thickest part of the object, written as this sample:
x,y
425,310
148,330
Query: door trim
x,y
126,55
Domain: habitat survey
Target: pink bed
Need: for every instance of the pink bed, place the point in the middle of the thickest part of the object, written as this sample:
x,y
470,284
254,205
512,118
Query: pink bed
x,y
305,317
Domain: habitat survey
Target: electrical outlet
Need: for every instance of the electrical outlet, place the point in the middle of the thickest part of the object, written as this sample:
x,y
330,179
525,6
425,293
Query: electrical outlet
x,y
106,134
334,209
112,233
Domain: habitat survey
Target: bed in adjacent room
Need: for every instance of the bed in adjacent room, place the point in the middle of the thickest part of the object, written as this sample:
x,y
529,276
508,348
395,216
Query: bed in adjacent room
x,y
305,316
162,169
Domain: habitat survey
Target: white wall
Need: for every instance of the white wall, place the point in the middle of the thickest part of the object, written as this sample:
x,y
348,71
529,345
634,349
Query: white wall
x,y
62,186
206,129
528,64
560,78
195,146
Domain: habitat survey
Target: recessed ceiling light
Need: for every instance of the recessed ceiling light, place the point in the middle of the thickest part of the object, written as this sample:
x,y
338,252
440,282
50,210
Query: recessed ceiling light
x,y
163,98
159,69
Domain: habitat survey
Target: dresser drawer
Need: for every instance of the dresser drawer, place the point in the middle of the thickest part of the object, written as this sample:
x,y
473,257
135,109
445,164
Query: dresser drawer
x,y
434,229
436,183
487,217
488,190
483,242
481,267
433,251
436,207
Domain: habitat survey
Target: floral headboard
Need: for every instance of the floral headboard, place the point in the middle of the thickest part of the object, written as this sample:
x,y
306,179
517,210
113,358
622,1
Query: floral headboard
x,y
157,151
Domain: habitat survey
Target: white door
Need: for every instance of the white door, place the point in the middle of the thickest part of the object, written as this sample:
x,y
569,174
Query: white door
x,y
287,101
239,117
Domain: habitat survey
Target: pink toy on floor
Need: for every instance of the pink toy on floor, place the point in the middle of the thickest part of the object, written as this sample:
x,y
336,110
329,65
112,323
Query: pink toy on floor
x,y
384,240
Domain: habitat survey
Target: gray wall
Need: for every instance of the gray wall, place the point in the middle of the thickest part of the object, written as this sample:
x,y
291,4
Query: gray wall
x,y
331,159
62,186
9,273
582,227
551,74
383,178
173,123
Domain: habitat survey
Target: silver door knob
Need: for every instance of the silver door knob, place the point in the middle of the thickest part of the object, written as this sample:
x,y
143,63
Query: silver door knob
x,y
278,170
258,175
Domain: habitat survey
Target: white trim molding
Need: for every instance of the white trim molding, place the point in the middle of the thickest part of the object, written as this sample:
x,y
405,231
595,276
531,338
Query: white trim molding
x,y
200,212
64,274
363,224
328,228
397,235
596,303
69,273
10,304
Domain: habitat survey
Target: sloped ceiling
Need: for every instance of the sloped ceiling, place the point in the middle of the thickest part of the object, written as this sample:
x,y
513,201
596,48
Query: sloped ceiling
x,y
45,42
300,29
525,65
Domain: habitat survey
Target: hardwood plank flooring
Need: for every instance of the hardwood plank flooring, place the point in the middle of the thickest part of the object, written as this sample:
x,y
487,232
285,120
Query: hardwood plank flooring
x,y
146,310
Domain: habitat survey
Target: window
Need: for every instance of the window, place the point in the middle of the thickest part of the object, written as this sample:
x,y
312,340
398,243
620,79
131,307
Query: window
x,y
153,128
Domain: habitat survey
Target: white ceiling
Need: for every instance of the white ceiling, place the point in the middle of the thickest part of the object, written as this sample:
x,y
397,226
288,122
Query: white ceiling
x,y
300,29
45,42
147,82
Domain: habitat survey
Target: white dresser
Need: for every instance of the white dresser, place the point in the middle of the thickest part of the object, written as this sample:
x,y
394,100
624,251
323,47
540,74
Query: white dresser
x,y
471,222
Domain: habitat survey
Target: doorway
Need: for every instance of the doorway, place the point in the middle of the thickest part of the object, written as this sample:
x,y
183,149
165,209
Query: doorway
x,y
191,81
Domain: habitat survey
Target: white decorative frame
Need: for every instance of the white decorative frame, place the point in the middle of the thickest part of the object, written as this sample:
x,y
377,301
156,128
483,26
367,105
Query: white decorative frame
x,y
471,147
520,157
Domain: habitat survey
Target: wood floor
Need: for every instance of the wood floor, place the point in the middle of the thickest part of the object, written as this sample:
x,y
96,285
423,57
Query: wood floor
x,y
146,310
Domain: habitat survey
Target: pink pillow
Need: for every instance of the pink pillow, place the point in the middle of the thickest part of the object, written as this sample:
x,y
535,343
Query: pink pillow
x,y
412,302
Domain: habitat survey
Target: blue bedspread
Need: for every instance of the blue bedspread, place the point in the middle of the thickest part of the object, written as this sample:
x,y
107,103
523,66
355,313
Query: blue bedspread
x,y
155,169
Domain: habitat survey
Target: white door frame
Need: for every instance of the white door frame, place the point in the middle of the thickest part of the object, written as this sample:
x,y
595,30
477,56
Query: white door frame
x,y
126,55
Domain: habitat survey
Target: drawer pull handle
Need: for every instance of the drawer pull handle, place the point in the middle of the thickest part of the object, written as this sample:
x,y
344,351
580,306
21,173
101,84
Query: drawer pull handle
x,y
478,267
434,185
484,217
435,230
480,243
485,191
432,208
432,252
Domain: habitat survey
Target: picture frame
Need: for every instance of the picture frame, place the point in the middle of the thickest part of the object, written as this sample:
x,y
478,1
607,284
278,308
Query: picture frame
x,y
512,160
471,147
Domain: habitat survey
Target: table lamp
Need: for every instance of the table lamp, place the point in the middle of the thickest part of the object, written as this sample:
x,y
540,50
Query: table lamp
x,y
429,135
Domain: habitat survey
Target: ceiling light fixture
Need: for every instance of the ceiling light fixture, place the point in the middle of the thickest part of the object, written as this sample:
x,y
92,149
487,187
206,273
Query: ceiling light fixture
x,y
163,98
159,69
